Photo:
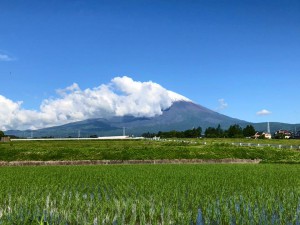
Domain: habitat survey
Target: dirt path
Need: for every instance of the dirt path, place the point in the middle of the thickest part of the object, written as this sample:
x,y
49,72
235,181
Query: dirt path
x,y
130,162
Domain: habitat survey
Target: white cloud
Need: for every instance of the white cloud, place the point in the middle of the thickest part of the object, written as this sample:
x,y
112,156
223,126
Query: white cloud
x,y
263,112
4,57
123,96
222,104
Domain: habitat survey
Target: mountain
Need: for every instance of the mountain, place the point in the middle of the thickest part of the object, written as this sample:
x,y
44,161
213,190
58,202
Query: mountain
x,y
274,126
182,115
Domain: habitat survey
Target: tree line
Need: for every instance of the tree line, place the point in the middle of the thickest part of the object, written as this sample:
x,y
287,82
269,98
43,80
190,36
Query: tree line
x,y
234,131
192,133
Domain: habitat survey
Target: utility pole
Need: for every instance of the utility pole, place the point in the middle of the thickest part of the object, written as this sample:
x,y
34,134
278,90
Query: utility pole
x,y
124,131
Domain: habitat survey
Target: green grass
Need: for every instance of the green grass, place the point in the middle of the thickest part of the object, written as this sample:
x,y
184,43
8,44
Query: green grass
x,y
151,194
145,149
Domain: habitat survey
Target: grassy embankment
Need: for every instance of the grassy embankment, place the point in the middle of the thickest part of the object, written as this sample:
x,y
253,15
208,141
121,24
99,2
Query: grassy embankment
x,y
146,149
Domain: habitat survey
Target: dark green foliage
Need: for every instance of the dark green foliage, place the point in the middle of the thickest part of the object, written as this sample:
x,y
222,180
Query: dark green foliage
x,y
262,136
212,132
192,133
149,135
1,134
235,131
249,131
279,136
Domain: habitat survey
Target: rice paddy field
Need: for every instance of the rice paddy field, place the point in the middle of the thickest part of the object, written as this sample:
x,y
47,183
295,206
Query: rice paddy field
x,y
198,194
149,150
151,194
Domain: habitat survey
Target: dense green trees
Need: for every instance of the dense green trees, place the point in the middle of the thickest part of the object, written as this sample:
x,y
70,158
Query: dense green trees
x,y
249,131
1,133
234,131
192,133
212,132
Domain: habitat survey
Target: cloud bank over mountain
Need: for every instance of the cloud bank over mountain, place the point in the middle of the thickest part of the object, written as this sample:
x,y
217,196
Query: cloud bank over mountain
x,y
122,96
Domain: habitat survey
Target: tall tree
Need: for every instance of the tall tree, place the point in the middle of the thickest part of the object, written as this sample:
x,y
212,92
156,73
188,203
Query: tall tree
x,y
211,132
1,133
249,131
235,131
219,131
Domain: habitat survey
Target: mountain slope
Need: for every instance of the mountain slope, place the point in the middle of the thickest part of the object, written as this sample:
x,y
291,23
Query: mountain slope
x,y
181,115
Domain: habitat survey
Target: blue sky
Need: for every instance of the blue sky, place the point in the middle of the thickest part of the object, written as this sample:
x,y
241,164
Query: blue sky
x,y
236,57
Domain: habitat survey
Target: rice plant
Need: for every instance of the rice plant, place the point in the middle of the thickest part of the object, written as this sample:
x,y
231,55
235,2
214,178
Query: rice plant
x,y
150,194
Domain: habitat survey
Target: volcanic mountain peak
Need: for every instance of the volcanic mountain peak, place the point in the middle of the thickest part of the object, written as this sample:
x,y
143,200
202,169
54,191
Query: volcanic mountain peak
x,y
175,97
183,114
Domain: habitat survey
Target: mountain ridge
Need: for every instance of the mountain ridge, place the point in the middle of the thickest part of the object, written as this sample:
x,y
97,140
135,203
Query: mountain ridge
x,y
181,115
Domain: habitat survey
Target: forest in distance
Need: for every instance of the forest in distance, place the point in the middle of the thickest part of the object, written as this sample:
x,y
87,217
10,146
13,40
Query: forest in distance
x,y
234,131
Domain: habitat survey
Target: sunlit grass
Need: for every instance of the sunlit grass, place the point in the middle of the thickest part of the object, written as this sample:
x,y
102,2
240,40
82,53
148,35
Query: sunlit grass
x,y
147,149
